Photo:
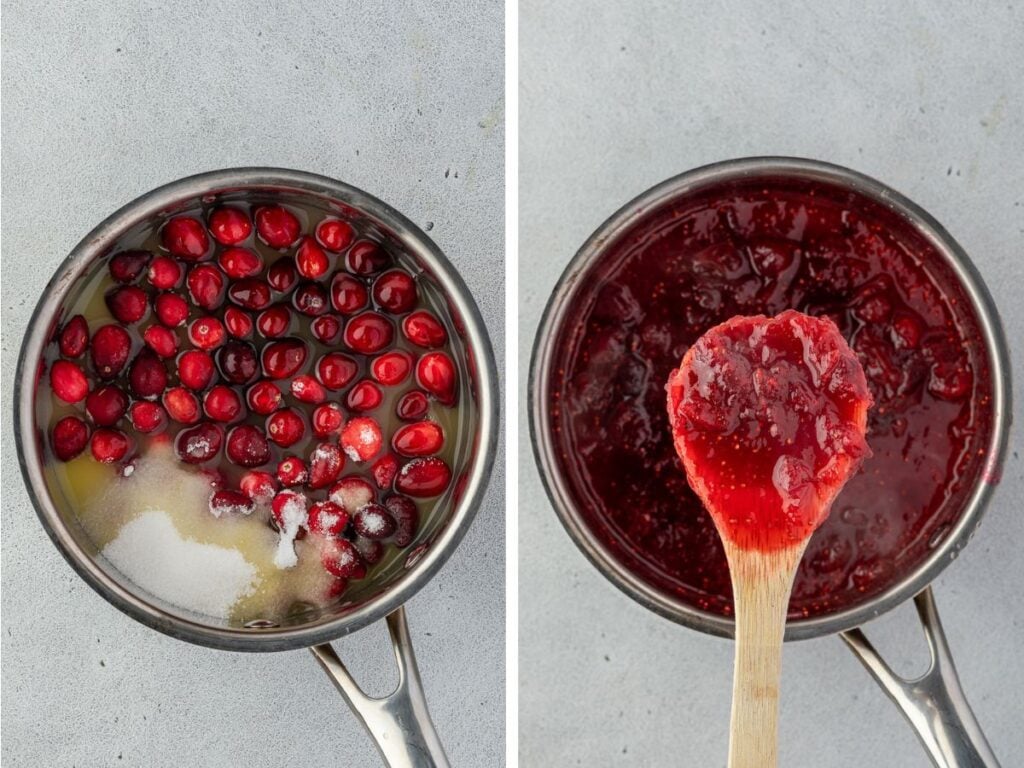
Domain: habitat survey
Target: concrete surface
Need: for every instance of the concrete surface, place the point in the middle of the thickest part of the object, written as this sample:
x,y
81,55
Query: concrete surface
x,y
103,102
615,97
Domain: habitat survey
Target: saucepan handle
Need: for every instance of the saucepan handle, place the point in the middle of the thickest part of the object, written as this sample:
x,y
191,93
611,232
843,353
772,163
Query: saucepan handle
x,y
933,703
399,723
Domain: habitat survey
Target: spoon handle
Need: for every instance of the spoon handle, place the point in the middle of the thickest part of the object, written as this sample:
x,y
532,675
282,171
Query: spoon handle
x,y
761,583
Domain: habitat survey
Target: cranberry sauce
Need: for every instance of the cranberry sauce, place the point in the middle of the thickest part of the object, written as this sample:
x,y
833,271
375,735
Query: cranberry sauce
x,y
761,247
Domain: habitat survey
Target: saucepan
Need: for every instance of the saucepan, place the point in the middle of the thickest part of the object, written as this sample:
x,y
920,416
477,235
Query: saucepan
x,y
933,703
399,723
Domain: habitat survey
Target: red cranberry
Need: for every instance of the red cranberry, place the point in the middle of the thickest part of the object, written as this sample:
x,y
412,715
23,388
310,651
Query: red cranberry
x,y
282,275
106,405
146,417
341,559
369,332
111,346
436,374
282,359
147,376
109,445
163,341
364,396
310,259
239,263
238,322
384,470
366,257
185,238
424,330
327,419
292,471
361,438
200,443
69,438
258,486
171,309
207,332
391,368
250,293
74,337
288,507
164,273
326,329
277,226
306,389
247,446
420,439
229,226
230,503
237,362
264,397
311,299
424,477
195,369
395,291
335,370
181,405
206,286
351,493
125,267
348,295
371,551
274,322
374,522
285,427
68,381
327,519
222,404
905,332
412,406
950,380
127,304
334,235
403,509
325,464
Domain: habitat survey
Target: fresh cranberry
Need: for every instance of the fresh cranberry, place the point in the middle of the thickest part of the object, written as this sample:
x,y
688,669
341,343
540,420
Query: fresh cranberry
x,y
238,322
106,405
230,503
391,368
335,370
239,263
185,238
207,332
285,427
361,438
334,235
306,389
420,439
289,507
258,486
250,293
341,559
74,337
147,376
229,226
171,309
364,396
348,295
109,445
325,464
247,446
310,259
311,299
237,362
424,330
327,519
163,341
200,443
327,419
292,471
110,348
274,322
395,291
403,509
412,406
69,437
374,522
127,304
384,470
277,226
282,359
282,275
125,267
264,397
370,550
164,273
351,493
206,286
146,417
369,332
181,405
326,329
424,477
195,369
366,257
68,381
222,404
435,372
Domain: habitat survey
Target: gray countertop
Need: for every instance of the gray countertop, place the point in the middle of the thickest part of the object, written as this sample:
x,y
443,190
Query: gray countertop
x,y
615,97
103,102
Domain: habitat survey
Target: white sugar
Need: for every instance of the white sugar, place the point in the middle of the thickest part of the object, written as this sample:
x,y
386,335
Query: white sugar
x,y
293,516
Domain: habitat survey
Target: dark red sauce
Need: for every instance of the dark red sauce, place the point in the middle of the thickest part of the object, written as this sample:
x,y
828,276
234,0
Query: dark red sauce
x,y
761,247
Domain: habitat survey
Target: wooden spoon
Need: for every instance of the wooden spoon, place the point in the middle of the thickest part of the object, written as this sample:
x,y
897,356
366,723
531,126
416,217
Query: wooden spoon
x,y
768,417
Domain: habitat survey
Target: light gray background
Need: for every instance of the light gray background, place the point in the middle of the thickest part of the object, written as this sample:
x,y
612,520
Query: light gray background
x,y
615,97
103,102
